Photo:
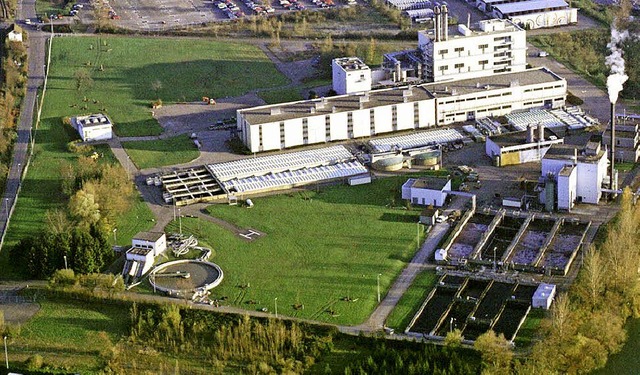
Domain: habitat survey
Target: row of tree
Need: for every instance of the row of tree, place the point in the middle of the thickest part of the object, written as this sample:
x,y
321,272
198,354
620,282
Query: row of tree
x,y
13,77
223,341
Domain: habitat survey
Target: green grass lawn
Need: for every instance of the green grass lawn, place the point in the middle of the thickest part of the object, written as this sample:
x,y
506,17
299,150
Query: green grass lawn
x,y
170,151
529,329
71,334
316,251
124,72
411,300
276,96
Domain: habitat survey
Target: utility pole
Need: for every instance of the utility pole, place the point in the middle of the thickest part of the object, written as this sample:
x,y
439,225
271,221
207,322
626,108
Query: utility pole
x,y
180,220
378,283
275,300
6,354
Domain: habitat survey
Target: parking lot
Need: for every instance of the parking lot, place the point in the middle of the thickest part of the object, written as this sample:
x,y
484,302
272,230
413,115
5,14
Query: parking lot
x,y
159,15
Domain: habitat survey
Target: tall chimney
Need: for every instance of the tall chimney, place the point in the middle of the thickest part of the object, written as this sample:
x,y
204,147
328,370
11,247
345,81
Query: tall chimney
x,y
445,23
530,133
540,132
613,142
468,20
436,22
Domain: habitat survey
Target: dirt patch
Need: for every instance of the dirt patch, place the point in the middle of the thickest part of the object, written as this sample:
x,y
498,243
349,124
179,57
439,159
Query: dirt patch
x,y
17,309
195,117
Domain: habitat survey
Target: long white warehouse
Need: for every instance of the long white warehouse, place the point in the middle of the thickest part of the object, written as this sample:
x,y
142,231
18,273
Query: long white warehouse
x,y
280,126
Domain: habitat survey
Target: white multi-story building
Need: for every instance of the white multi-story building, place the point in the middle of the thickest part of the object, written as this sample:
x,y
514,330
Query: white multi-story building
x,y
350,75
280,126
495,46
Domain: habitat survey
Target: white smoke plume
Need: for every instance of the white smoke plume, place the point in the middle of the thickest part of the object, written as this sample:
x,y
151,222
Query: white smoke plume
x,y
616,62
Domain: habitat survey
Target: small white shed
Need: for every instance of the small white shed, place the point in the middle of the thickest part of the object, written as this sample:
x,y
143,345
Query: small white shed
x,y
441,255
426,191
543,296
93,127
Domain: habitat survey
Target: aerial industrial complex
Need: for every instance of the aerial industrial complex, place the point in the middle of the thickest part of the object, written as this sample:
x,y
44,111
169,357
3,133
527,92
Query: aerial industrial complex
x,y
406,114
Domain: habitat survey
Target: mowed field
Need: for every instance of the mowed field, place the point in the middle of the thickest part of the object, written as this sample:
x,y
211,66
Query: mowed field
x,y
128,73
122,70
321,252
170,151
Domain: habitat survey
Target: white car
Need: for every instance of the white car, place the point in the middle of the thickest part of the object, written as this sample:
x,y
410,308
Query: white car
x,y
441,219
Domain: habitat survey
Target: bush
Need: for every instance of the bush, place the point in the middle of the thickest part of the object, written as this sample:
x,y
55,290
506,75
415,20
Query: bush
x,y
573,100
35,362
64,277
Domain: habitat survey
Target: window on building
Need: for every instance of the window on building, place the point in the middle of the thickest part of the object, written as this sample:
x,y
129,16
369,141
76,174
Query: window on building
x,y
459,66
443,51
483,46
443,68
459,49
483,62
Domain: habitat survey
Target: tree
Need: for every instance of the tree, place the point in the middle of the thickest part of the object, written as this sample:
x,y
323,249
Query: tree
x,y
83,80
371,51
496,353
454,338
592,278
83,206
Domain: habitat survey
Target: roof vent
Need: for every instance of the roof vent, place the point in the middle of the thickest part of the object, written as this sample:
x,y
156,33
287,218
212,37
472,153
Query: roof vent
x,y
276,111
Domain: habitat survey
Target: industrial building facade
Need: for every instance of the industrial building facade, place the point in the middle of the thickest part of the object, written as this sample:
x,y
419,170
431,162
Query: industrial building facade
x,y
281,126
496,46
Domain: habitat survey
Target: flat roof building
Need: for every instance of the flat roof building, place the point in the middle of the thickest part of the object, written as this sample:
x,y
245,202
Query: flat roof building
x,y
94,127
426,191
280,126
536,14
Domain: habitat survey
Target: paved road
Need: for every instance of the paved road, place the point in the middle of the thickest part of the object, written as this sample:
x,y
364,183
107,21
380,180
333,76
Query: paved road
x,y
36,52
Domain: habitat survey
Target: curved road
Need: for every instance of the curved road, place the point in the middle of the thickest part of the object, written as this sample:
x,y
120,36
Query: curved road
x,y
36,52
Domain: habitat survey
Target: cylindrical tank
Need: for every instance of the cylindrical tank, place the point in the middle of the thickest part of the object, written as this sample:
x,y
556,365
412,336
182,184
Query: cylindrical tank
x,y
392,163
426,159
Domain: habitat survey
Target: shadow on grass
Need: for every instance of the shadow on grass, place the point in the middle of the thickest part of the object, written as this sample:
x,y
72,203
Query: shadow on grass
x,y
405,217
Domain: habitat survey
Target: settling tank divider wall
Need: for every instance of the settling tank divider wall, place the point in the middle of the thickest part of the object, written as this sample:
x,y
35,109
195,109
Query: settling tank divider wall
x,y
547,242
516,238
485,236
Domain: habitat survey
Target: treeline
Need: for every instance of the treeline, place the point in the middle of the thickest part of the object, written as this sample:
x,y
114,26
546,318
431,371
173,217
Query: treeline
x,y
13,78
77,237
220,342
587,324
402,357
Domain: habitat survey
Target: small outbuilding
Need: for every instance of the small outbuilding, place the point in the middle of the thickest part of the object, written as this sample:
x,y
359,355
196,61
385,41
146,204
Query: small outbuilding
x,y
441,255
426,191
94,127
15,35
543,296
428,215
145,247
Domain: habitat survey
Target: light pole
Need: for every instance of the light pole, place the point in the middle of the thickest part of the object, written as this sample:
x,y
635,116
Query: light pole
x,y
115,239
6,355
174,210
65,262
275,301
378,284
180,220
451,324
6,207
494,258
418,235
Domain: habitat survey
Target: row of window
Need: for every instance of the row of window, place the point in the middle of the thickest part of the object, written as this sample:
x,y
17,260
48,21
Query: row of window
x,y
461,49
544,88
461,100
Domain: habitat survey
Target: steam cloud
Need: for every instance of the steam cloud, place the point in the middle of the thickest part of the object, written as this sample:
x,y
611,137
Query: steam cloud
x,y
616,62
